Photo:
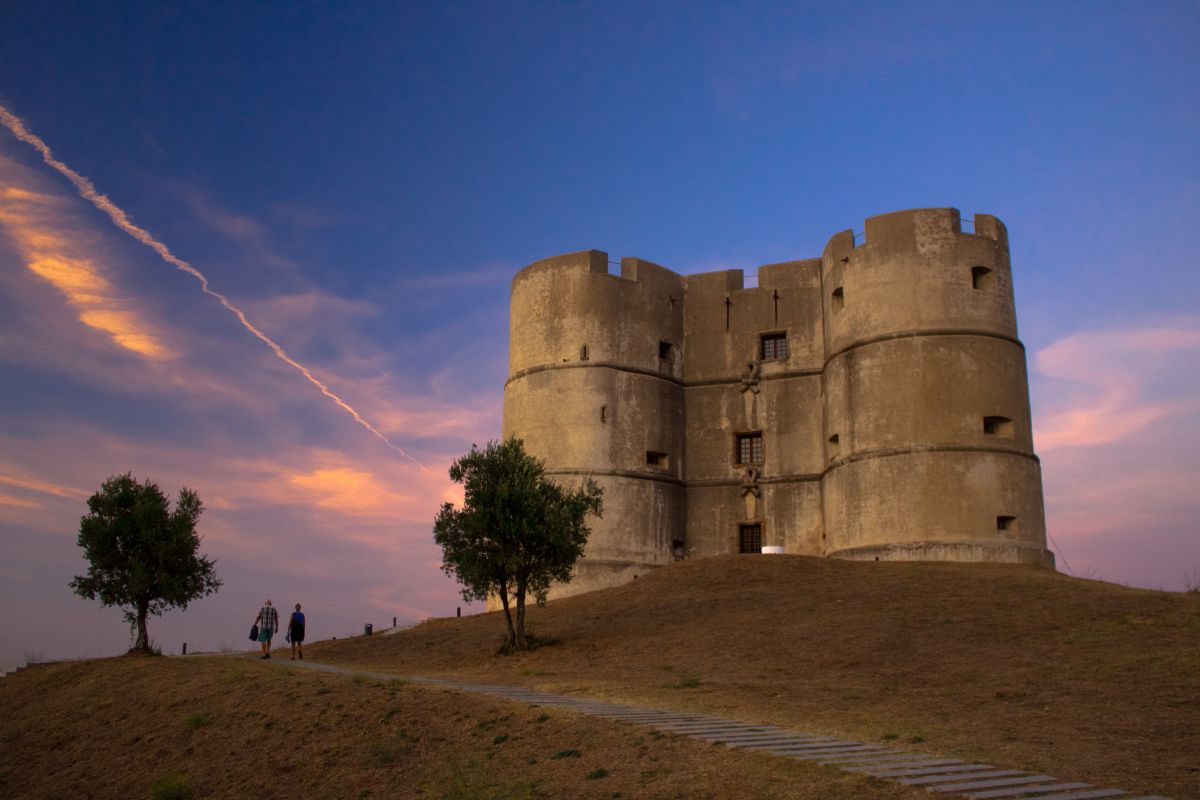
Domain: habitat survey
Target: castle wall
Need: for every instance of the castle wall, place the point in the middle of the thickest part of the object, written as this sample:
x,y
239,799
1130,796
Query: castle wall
x,y
895,426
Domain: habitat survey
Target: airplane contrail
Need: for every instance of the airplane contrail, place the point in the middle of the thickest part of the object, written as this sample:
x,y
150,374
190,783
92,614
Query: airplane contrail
x,y
122,221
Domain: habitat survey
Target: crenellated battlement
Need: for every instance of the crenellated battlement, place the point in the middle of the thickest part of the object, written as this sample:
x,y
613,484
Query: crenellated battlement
x,y
597,262
913,230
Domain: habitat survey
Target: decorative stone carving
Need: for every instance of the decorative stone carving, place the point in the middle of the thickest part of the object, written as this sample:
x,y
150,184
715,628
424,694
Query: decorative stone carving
x,y
751,376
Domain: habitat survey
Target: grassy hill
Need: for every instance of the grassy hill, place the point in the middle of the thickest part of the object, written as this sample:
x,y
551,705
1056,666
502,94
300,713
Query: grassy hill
x,y
1016,665
1012,665
235,727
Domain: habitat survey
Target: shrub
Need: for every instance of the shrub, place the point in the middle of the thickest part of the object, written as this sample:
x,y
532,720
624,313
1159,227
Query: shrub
x,y
171,786
196,721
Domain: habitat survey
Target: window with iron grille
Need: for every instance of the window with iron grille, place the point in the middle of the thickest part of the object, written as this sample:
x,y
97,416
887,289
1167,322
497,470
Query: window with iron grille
x,y
774,347
749,448
750,538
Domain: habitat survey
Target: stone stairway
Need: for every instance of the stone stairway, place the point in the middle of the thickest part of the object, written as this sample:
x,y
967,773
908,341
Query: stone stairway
x,y
946,776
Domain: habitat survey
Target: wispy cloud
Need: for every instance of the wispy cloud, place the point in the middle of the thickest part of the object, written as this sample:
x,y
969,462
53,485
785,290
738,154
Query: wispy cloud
x,y
39,227
41,486
240,228
1108,381
123,222
18,502
1117,424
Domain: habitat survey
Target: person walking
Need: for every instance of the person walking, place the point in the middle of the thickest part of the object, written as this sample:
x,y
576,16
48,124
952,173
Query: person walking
x,y
295,633
268,622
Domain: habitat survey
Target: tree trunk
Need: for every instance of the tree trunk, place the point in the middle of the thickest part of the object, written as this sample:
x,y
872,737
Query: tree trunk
x,y
142,645
521,641
512,636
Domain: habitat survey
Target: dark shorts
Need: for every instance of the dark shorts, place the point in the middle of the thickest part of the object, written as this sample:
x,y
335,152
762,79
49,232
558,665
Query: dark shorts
x,y
296,633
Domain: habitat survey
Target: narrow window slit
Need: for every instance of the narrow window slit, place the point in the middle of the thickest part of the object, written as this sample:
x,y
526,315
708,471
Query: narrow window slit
x,y
981,278
998,426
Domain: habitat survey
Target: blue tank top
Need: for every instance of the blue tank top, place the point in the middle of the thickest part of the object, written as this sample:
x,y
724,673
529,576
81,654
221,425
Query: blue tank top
x,y
298,617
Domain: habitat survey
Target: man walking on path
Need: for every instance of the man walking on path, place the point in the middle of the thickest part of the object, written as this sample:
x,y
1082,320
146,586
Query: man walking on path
x,y
268,623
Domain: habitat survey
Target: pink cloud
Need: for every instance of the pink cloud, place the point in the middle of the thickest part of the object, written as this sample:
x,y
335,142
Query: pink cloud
x,y
1103,390
1117,425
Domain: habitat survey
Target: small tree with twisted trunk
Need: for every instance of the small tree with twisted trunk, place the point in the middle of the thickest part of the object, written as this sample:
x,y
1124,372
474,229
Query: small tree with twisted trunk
x,y
516,533
143,556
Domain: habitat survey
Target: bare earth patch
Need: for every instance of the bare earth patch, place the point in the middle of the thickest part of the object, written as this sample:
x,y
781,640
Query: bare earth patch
x,y
1009,664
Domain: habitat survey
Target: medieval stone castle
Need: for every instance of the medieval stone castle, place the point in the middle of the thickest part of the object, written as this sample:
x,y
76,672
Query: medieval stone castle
x,y
869,404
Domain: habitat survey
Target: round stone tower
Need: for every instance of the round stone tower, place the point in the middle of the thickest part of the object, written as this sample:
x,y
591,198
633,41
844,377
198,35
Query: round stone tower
x,y
595,388
928,448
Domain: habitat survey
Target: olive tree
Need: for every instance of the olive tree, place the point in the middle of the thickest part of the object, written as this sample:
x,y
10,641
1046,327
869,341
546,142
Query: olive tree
x,y
516,533
142,556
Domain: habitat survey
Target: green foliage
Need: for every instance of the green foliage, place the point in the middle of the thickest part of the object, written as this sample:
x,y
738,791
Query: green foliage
x,y
516,533
597,773
171,786
566,754
142,555
196,721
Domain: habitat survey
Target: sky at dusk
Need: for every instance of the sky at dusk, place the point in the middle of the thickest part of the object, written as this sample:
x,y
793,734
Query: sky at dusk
x,y
361,182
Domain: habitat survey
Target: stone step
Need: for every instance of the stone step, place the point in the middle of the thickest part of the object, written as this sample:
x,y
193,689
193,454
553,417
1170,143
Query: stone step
x,y
951,768
963,788
1092,795
1028,791
960,777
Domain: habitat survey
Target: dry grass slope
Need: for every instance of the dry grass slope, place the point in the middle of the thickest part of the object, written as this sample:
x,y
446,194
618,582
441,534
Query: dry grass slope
x,y
220,727
1016,665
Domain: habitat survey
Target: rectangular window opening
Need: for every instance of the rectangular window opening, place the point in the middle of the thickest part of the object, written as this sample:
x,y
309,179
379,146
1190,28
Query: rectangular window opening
x,y
1007,525
749,448
656,459
774,347
998,426
750,538
838,299
664,350
583,353
981,277
835,445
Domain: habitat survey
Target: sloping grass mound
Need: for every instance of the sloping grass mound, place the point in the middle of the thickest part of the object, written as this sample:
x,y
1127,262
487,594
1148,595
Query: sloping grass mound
x,y
1016,665
227,727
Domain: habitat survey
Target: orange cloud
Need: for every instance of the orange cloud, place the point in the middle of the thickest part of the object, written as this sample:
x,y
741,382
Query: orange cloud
x,y
37,225
42,486
352,491
18,502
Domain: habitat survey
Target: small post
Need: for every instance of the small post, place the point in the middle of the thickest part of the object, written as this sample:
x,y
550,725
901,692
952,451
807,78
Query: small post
x,y
185,648
393,622
458,611
367,629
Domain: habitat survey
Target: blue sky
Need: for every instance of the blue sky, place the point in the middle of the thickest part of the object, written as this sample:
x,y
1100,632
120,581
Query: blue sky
x,y
364,180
